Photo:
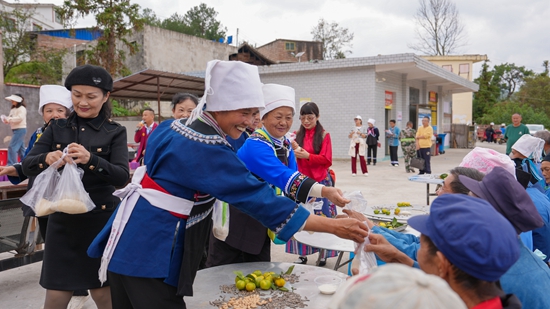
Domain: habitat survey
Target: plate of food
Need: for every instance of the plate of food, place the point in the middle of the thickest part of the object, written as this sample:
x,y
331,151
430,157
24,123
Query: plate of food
x,y
401,212
392,224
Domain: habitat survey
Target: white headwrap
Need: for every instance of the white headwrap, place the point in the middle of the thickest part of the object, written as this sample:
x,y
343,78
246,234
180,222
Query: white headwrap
x,y
229,86
55,94
530,146
401,286
485,159
371,121
276,96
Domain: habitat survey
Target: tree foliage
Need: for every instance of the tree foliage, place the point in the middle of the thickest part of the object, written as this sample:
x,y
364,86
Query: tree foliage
x,y
199,21
497,99
24,61
511,78
117,19
488,93
439,30
334,38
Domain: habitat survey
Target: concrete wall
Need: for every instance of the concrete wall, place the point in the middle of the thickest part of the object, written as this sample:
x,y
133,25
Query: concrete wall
x,y
277,51
171,51
34,120
341,94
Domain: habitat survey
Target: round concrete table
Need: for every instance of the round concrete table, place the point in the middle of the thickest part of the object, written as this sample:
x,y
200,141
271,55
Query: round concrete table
x,y
327,241
207,282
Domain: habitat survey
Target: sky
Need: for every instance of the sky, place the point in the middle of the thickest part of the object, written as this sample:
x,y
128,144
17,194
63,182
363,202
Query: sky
x,y
505,30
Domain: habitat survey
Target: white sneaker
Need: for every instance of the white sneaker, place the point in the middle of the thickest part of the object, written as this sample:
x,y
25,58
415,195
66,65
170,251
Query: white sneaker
x,y
353,175
366,174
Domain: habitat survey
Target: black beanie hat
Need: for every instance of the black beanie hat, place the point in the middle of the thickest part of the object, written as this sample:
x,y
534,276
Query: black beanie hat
x,y
90,75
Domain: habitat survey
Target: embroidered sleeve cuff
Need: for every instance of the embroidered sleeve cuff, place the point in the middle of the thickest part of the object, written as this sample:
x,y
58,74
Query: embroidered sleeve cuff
x,y
300,187
294,224
316,190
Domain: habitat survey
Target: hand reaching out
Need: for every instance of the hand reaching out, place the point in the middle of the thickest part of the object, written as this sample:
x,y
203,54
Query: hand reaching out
x,y
8,170
386,251
334,195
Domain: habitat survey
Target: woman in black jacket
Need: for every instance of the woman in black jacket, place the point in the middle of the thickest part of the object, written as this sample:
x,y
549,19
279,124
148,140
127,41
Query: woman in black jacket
x,y
98,145
372,141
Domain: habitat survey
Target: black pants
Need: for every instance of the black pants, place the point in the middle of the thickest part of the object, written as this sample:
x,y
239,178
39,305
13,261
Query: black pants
x,y
425,154
220,253
393,155
371,149
143,293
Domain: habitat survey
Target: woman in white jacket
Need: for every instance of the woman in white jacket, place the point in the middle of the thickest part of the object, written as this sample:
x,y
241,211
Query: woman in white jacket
x,y
17,119
357,146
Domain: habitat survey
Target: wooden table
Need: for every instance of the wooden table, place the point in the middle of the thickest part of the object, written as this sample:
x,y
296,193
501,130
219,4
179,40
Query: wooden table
x,y
6,186
207,282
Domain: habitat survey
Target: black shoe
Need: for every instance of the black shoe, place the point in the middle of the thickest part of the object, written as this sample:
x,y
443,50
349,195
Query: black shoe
x,y
80,293
374,163
322,262
301,260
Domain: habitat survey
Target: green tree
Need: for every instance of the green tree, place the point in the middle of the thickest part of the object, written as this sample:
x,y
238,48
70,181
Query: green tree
x,y
511,78
117,19
503,111
24,61
150,18
199,21
488,93
334,39
535,92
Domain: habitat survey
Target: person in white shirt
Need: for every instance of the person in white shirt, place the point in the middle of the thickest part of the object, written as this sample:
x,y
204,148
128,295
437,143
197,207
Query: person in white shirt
x,y
17,119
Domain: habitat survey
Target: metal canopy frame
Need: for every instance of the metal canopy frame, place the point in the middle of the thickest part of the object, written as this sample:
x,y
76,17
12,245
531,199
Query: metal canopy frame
x,y
156,85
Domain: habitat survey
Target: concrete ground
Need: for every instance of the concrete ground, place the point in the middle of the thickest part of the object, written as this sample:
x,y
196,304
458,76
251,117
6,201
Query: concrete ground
x,y
385,184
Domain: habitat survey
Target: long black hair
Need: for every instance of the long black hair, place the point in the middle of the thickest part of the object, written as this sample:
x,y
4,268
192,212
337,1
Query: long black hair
x,y
19,104
308,109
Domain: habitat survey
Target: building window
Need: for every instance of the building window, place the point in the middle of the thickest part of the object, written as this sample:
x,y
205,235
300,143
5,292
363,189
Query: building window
x,y
464,68
290,46
447,67
36,27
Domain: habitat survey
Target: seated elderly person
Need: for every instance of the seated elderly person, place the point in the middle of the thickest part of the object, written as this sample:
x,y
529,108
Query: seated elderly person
x,y
458,245
545,136
396,286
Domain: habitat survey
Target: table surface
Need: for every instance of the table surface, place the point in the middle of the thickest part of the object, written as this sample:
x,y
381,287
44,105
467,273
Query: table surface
x,y
9,185
433,179
207,282
325,241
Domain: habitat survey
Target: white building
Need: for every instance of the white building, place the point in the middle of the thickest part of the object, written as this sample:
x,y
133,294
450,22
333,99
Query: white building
x,y
403,87
43,16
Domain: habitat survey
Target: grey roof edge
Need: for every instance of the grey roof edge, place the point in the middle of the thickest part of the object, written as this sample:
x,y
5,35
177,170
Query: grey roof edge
x,y
336,63
419,62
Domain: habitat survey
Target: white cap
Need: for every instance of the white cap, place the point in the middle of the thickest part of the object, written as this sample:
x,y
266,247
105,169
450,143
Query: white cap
x,y
15,98
503,124
276,96
492,123
229,86
371,121
485,159
401,286
54,94
358,117
528,145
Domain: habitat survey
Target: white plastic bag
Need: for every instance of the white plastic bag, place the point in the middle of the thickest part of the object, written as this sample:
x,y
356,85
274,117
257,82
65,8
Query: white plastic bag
x,y
364,261
357,201
220,218
70,196
312,205
39,197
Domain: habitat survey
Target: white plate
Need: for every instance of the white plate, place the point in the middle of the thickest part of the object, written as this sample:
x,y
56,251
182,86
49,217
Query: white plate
x,y
415,211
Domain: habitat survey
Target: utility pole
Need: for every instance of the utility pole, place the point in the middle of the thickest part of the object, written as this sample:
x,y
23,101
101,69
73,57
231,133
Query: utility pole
x,y
1,66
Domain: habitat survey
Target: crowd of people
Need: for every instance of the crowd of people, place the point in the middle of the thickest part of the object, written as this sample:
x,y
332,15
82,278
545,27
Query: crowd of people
x,y
487,235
